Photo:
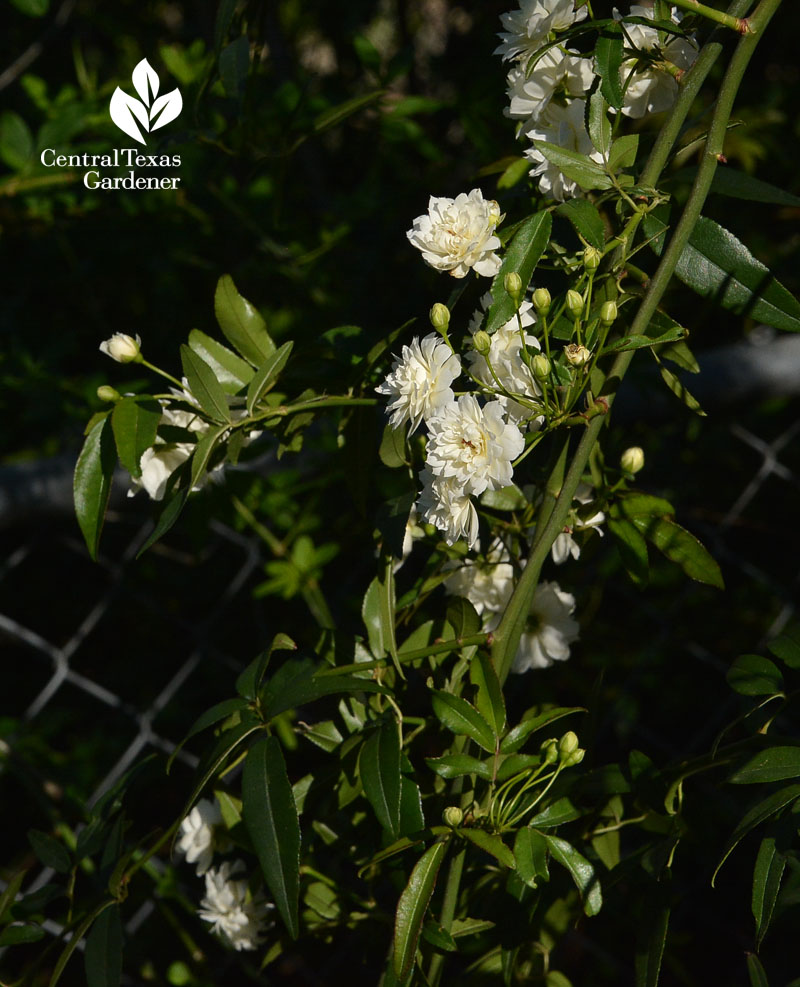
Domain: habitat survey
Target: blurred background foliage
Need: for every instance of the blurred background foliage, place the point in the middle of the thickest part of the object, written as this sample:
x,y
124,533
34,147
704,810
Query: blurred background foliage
x,y
311,136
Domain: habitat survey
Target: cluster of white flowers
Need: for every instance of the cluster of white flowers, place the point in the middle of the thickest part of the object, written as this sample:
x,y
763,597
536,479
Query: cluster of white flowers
x,y
550,628
457,235
565,545
236,915
548,98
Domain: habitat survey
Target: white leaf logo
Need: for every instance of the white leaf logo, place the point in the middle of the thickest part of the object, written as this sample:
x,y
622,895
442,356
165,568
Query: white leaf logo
x,y
148,111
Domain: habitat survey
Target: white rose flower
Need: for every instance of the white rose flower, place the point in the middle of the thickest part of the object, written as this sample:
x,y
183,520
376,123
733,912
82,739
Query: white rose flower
x,y
472,445
562,125
196,840
419,383
233,914
649,89
565,545
458,234
121,347
487,586
506,359
527,29
443,503
557,71
551,629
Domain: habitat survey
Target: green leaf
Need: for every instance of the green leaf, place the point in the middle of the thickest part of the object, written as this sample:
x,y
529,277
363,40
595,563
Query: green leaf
x,y
231,371
599,125
204,386
756,972
169,515
561,811
717,265
581,870
456,765
463,617
412,818
517,737
379,768
637,505
77,937
9,895
241,323
514,173
623,152
786,647
509,498
608,54
470,926
302,680
652,926
489,700
234,65
680,391
438,937
226,745
759,813
270,816
462,718
267,375
632,548
577,167
337,114
513,764
16,141
17,935
50,851
392,451
94,472
772,764
635,342
752,675
216,714
530,853
681,547
586,219
33,8
203,451
135,424
412,906
767,876
491,844
740,185
103,955
521,257
249,682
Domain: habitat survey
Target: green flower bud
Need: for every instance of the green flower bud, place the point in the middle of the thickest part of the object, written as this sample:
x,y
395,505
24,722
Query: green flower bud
x,y
574,303
577,355
568,743
574,758
440,317
482,342
513,284
122,347
540,366
541,301
592,258
549,751
108,393
632,460
453,816
608,313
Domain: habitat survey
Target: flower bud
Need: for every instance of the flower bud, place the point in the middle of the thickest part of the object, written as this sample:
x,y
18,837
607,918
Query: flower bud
x,y
574,303
482,342
121,347
540,366
608,313
541,301
568,743
108,393
513,284
453,816
549,751
632,460
592,258
440,317
574,758
577,355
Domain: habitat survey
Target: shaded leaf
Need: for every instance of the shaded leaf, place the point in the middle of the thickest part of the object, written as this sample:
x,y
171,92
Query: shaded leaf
x,y
103,955
519,735
50,851
463,617
609,53
680,390
492,844
509,498
379,769
135,424
786,647
530,853
203,452
767,876
635,342
582,872
412,906
267,375
772,764
759,813
559,812
586,219
489,699
752,675
94,472
234,65
462,718
17,935
336,114
392,449
652,925
632,548
756,972
169,515
456,765
740,185
521,257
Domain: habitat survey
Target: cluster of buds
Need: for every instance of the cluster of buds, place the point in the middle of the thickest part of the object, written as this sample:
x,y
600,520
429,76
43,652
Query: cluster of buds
x,y
565,751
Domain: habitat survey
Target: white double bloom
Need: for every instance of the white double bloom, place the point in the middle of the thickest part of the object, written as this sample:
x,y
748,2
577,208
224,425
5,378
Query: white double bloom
x,y
443,503
527,29
198,838
230,909
558,71
419,383
564,126
457,235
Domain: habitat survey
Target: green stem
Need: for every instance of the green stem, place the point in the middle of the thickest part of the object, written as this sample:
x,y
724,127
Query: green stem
x,y
455,644
734,23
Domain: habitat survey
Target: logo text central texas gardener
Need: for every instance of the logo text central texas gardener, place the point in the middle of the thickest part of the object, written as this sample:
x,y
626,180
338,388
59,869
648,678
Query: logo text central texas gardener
x,y
136,118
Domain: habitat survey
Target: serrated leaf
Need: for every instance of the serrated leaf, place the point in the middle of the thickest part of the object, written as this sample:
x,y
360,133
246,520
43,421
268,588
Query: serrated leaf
x,y
681,547
412,906
204,386
623,152
489,699
717,265
94,472
135,425
581,870
491,844
759,813
599,124
231,370
752,675
609,53
521,257
457,765
267,375
530,854
379,769
463,719
772,764
586,219
577,167
270,815
520,734
242,324
103,955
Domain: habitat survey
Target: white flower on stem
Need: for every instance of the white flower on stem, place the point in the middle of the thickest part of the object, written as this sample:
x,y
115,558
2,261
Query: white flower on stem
x,y
420,379
443,503
234,914
473,445
122,347
527,29
648,87
458,234
196,836
488,585
551,629
565,545
558,71
564,126
505,356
